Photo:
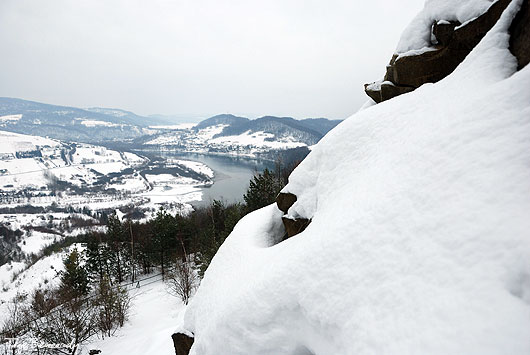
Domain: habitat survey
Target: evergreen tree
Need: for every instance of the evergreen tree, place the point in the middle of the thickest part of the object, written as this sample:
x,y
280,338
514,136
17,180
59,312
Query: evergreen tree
x,y
165,237
96,263
74,278
262,191
117,253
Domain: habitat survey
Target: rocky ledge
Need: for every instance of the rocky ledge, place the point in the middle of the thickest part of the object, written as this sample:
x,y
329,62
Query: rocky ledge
x,y
451,43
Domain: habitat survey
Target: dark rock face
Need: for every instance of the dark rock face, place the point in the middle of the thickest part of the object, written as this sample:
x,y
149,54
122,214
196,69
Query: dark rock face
x,y
295,226
385,91
284,201
453,44
520,35
182,343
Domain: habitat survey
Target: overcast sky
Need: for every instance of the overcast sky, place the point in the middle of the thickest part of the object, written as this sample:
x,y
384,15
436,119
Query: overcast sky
x,y
300,58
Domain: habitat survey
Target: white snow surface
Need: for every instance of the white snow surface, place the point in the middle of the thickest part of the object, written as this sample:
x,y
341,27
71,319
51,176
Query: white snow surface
x,y
258,139
95,123
417,35
420,234
14,142
152,319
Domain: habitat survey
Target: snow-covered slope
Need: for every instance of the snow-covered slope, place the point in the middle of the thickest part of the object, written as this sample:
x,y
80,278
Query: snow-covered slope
x,y
420,234
152,319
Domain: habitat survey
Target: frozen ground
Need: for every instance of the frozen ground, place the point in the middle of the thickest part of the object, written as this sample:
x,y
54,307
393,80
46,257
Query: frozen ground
x,y
154,313
419,239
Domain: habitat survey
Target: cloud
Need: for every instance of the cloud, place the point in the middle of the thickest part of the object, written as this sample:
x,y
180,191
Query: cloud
x,y
298,58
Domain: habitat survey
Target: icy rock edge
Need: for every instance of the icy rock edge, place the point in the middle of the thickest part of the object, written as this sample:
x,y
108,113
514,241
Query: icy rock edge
x,y
419,239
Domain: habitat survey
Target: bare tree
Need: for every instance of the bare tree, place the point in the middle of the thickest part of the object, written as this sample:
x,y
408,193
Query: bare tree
x,y
113,307
59,320
183,280
15,322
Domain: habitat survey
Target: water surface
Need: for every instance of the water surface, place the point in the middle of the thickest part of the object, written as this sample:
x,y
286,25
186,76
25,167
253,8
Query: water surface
x,y
232,175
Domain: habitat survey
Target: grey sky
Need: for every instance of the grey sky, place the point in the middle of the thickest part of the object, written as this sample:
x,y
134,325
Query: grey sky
x,y
293,58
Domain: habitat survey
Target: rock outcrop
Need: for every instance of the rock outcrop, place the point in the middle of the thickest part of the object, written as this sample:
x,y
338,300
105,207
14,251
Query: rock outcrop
x,y
293,226
452,42
182,343
285,200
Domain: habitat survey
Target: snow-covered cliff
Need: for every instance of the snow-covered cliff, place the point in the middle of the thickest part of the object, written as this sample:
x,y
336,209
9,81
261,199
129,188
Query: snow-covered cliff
x,y
419,241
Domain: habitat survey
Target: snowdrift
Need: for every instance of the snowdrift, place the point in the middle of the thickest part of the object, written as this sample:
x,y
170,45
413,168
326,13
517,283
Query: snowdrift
x,y
420,234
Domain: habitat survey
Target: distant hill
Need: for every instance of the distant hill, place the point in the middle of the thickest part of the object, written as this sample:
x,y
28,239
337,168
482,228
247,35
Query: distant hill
x,y
67,123
225,119
308,131
98,125
93,124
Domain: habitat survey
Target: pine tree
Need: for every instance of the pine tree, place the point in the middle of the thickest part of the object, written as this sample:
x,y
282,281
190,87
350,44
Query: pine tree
x,y
262,191
74,278
165,236
116,239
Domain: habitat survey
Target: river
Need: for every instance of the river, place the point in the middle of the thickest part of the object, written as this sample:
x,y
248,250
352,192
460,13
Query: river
x,y
232,174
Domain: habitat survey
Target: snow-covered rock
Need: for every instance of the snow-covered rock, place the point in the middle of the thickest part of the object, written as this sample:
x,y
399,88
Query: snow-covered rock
x,y
420,234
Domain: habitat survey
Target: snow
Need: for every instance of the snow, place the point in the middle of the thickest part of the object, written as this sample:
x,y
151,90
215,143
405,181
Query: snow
x,y
95,123
10,118
417,35
154,313
258,139
36,241
419,239
129,184
14,142
195,166
179,126
43,272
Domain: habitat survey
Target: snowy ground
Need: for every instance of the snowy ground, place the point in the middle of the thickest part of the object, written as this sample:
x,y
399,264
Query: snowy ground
x,y
154,313
153,319
18,278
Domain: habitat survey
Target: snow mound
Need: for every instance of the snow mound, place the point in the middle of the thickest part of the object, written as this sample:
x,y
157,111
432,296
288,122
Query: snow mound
x,y
420,233
417,35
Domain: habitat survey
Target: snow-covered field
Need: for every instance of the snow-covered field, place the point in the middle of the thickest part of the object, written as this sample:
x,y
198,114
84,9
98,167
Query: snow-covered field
x,y
14,142
419,241
258,140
